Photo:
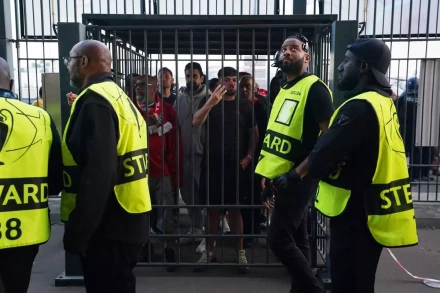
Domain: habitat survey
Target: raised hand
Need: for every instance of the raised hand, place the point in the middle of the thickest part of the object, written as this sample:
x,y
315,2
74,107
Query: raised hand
x,y
217,95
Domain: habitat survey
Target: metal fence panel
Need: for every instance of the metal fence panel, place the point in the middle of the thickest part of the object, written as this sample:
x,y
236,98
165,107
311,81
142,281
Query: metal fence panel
x,y
214,45
409,27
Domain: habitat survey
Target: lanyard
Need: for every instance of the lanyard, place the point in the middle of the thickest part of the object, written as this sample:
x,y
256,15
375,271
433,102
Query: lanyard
x,y
7,94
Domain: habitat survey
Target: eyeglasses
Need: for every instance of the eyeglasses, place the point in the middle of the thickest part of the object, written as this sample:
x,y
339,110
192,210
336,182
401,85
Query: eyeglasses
x,y
303,39
67,59
142,84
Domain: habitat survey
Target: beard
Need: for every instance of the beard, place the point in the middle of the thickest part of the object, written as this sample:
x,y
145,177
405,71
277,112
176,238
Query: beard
x,y
75,81
73,84
230,93
348,81
192,86
142,99
293,68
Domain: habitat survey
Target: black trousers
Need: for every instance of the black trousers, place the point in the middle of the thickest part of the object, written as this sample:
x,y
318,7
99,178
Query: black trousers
x,y
108,266
354,255
289,241
421,156
248,214
16,268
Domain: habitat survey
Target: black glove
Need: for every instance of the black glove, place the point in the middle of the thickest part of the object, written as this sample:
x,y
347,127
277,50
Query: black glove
x,y
286,181
74,242
72,246
266,193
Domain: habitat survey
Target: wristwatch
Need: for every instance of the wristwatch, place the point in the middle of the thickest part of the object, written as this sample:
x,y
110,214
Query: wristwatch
x,y
250,158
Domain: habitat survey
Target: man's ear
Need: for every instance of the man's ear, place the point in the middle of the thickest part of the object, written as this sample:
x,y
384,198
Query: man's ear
x,y
84,61
364,67
11,84
203,79
307,58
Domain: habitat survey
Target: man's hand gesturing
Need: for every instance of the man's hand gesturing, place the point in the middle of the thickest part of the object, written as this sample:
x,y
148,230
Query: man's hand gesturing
x,y
217,95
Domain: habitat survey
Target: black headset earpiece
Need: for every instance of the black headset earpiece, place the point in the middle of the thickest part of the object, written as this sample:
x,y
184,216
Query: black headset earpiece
x,y
276,60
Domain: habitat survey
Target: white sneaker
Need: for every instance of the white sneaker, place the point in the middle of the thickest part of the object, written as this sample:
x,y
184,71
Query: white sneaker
x,y
202,246
203,260
224,224
195,232
242,260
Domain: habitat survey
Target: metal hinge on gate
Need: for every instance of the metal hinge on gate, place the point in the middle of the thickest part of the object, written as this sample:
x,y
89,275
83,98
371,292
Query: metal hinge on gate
x,y
55,29
362,26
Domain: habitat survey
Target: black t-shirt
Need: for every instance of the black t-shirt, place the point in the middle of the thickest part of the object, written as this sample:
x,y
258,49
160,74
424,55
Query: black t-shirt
x,y
262,112
170,100
223,119
319,108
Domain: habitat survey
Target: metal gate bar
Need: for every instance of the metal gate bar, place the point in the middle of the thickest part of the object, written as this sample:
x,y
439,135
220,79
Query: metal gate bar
x,y
414,21
161,28
128,37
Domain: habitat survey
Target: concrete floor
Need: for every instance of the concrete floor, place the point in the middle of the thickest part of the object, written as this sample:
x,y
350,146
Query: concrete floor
x,y
422,260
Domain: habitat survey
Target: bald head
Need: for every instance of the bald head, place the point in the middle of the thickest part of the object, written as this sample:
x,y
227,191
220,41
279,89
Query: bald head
x,y
97,53
86,59
5,75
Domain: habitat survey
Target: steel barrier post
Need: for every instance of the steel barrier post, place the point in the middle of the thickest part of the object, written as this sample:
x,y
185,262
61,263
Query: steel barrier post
x,y
6,33
299,7
342,34
68,35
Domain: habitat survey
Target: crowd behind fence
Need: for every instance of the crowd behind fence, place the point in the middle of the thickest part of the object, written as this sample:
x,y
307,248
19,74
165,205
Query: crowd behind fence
x,y
410,28
133,70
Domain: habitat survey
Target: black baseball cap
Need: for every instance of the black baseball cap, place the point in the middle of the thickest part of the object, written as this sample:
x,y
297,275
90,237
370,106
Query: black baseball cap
x,y
378,56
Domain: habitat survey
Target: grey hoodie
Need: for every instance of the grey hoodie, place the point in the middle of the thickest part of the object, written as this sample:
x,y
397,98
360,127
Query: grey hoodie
x,y
185,109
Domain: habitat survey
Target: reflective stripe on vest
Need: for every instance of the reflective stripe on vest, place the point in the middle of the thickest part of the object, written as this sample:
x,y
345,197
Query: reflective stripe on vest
x,y
24,160
284,133
131,187
388,201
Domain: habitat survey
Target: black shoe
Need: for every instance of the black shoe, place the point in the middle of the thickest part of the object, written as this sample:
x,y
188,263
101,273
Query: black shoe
x,y
170,257
249,242
146,253
155,230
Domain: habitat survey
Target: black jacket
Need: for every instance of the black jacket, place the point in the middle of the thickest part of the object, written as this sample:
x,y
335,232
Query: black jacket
x,y
262,112
92,139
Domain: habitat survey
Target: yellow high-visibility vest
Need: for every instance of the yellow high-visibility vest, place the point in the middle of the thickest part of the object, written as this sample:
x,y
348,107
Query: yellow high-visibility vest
x,y
388,200
284,134
25,142
131,186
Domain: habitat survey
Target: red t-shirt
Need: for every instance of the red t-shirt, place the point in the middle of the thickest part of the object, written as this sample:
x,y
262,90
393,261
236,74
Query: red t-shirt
x,y
164,163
